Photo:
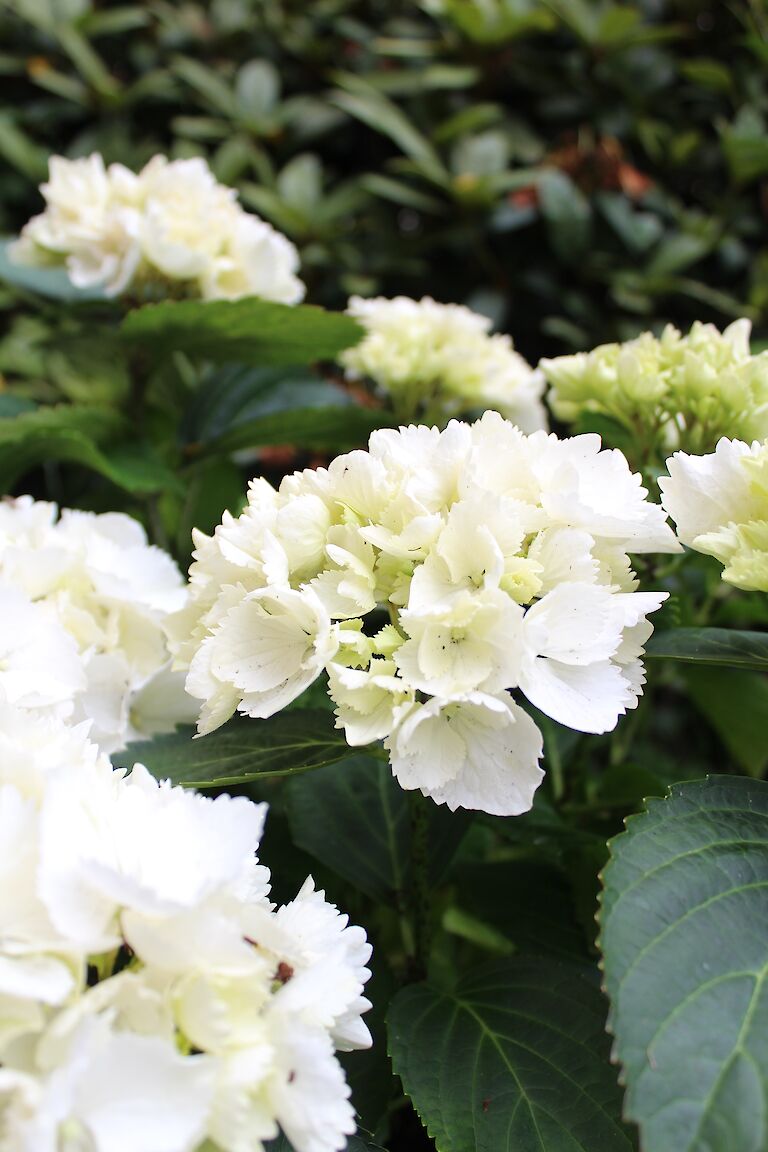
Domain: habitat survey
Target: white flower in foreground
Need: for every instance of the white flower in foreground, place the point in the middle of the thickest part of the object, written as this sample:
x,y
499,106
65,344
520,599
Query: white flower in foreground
x,y
441,358
440,572
719,503
136,929
169,226
84,598
107,1091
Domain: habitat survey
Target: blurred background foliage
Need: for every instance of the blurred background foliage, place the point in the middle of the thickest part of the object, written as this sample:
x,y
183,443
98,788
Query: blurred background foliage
x,y
578,169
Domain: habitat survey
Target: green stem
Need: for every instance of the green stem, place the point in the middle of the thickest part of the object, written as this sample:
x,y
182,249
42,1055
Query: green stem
x,y
419,889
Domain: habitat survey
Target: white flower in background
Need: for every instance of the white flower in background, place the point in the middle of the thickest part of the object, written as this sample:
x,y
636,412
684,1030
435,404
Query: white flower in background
x,y
440,359
136,928
84,598
719,503
674,391
430,577
171,226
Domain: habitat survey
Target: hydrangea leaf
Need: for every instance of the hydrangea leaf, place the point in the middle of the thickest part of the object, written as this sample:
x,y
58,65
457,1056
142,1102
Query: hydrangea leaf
x,y
726,647
332,429
51,282
735,704
354,817
685,948
514,1059
93,437
540,917
242,750
250,330
232,393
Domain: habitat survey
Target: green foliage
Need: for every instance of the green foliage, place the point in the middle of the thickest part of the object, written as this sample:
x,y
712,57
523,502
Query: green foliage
x,y
685,959
514,1057
578,171
94,437
241,751
722,647
600,162
250,331
354,818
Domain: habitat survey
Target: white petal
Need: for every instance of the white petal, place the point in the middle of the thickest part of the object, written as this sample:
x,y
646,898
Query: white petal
x,y
588,699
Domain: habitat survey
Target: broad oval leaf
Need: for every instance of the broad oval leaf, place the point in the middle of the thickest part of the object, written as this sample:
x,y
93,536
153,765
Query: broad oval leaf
x,y
233,393
242,750
80,434
515,1059
731,648
323,429
250,330
685,951
51,282
354,817
529,902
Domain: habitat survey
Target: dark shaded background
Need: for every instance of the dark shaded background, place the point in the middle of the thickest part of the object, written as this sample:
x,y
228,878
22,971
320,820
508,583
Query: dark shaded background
x,y
580,170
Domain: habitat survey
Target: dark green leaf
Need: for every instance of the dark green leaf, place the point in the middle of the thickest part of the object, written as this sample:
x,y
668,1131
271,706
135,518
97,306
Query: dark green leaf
x,y
515,1059
51,282
242,750
80,435
528,901
566,212
323,429
353,816
250,330
735,704
363,102
236,393
726,647
685,950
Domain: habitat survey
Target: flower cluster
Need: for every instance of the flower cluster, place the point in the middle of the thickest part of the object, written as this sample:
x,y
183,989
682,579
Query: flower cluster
x,y
439,360
83,599
429,576
151,995
170,226
719,503
672,392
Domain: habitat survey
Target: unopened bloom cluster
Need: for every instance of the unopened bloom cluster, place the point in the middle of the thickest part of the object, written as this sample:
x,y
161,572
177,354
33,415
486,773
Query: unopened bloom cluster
x,y
83,598
719,503
440,360
151,995
429,576
170,228
674,392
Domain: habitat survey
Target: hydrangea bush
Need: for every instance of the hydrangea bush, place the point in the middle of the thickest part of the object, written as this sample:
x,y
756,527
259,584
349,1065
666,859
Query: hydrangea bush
x,y
170,228
454,652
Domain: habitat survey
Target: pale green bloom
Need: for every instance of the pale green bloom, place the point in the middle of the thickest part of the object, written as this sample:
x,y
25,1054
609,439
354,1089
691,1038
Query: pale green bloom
x,y
720,505
672,392
440,360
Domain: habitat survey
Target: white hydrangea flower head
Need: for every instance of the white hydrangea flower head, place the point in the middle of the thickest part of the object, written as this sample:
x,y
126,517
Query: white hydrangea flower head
x,y
440,360
719,503
135,929
84,597
170,228
675,391
442,571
